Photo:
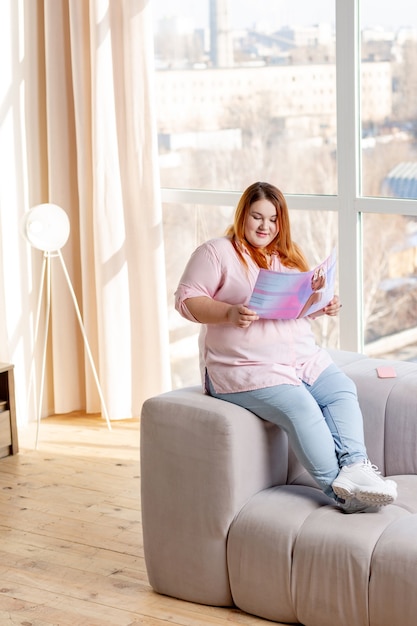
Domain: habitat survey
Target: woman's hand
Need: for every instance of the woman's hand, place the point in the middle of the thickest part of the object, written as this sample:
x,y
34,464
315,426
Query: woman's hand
x,y
318,280
333,307
208,311
239,315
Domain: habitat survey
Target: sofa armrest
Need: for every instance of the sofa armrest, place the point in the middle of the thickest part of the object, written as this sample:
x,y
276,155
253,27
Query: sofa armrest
x,y
201,460
401,425
389,407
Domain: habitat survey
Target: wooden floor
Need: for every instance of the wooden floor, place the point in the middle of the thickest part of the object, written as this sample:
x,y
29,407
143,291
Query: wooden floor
x,y
70,533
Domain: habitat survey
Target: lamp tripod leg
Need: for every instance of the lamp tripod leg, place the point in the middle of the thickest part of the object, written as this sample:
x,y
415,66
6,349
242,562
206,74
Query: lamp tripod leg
x,y
31,384
87,346
47,259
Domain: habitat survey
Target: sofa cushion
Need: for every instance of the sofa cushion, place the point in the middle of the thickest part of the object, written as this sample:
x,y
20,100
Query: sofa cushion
x,y
260,549
392,586
295,557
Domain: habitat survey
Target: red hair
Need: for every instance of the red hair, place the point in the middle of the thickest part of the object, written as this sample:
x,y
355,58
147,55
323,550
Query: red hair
x,y
289,252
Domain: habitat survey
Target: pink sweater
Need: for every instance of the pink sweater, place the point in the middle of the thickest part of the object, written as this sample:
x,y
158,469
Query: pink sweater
x,y
268,352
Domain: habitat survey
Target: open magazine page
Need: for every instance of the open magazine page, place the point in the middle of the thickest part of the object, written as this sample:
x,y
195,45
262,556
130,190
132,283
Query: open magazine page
x,y
289,295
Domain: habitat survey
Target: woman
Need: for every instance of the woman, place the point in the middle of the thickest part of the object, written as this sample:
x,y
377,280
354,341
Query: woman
x,y
274,368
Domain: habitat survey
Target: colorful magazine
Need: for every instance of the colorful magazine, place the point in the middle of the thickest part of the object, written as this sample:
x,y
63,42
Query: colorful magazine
x,y
290,295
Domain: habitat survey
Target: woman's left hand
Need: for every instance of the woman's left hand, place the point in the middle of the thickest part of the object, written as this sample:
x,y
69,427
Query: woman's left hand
x,y
333,307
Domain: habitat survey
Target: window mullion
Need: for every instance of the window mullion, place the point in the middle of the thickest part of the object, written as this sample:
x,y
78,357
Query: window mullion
x,y
348,156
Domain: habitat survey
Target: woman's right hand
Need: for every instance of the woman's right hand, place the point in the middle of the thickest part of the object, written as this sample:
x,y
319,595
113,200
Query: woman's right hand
x,y
239,315
208,311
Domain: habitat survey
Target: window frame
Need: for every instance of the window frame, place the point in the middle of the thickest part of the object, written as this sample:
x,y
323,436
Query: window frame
x,y
348,203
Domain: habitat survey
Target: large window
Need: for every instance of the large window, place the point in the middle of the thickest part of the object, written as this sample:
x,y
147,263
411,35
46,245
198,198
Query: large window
x,y
319,98
186,226
389,170
389,98
390,285
246,91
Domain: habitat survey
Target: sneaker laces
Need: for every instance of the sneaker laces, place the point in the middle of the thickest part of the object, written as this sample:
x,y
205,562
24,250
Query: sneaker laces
x,y
370,467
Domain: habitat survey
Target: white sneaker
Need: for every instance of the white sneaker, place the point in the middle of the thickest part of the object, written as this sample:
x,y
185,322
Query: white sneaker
x,y
364,482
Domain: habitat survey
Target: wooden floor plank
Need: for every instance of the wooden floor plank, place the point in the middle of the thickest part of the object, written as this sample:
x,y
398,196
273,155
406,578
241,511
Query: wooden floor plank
x,y
71,549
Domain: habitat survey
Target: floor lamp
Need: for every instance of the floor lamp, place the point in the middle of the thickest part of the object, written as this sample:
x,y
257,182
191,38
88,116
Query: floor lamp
x,y
46,227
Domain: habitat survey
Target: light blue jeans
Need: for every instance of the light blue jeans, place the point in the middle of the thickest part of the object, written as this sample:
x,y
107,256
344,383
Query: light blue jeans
x,y
323,421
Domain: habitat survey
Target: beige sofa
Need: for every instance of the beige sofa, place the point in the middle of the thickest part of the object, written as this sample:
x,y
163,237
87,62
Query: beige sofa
x,y
231,518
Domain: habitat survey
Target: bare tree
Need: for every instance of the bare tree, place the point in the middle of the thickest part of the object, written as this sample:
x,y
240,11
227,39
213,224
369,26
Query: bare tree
x,y
405,84
386,310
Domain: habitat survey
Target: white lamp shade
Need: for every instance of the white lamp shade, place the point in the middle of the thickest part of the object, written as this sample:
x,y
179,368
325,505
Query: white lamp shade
x,y
46,227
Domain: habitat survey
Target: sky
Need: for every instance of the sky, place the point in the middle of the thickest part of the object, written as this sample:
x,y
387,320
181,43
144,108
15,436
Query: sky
x,y
386,13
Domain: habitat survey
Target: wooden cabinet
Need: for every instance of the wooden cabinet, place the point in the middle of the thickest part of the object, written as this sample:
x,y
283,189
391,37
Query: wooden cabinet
x,y
8,428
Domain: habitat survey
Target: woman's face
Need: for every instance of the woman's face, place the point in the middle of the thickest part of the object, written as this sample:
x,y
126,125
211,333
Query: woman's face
x,y
261,224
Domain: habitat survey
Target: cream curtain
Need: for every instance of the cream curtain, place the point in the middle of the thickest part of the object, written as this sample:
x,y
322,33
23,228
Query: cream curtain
x,y
77,129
